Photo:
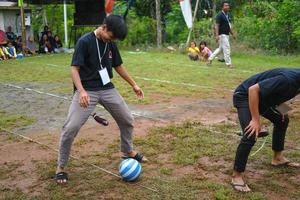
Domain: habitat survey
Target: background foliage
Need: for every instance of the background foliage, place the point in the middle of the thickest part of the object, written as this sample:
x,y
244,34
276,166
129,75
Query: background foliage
x,y
264,24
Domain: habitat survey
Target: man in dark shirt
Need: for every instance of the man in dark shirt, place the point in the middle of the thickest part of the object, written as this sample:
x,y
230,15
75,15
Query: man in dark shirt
x,y
264,94
93,60
222,29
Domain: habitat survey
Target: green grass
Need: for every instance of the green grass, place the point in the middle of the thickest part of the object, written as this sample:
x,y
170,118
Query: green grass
x,y
9,121
176,150
211,82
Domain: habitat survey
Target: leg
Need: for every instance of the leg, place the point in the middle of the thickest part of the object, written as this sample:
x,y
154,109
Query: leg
x,y
216,52
280,123
242,152
116,106
226,49
76,118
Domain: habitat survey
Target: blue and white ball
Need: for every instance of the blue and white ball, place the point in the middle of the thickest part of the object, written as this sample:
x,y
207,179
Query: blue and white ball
x,y
130,169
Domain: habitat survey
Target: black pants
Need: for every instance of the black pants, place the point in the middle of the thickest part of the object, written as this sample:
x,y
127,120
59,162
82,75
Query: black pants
x,y
280,124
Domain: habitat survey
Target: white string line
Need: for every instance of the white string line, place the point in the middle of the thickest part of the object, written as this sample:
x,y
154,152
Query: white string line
x,y
161,81
72,156
69,99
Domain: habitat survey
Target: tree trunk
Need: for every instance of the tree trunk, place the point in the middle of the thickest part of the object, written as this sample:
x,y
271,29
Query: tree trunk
x,y
158,21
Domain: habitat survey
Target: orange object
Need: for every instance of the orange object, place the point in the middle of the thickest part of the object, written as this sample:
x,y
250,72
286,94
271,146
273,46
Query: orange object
x,y
109,5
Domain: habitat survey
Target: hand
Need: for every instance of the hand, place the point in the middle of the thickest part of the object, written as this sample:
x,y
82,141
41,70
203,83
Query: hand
x,y
253,128
217,39
84,99
234,36
139,92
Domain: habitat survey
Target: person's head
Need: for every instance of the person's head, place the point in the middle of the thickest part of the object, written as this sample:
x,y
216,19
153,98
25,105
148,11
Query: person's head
x,y
45,37
46,28
30,38
193,44
9,44
225,6
49,34
202,44
113,28
9,29
56,38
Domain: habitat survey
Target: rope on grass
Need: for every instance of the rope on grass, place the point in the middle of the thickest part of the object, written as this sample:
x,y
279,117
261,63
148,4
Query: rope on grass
x,y
261,147
73,157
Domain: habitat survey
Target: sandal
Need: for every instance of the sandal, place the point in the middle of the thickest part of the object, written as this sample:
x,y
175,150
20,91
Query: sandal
x,y
139,157
236,185
287,164
61,178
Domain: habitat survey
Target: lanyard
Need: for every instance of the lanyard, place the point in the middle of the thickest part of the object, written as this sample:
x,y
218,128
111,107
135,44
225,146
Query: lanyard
x,y
227,19
99,55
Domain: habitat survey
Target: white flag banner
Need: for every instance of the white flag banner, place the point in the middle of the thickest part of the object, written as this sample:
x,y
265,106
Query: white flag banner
x,y
187,12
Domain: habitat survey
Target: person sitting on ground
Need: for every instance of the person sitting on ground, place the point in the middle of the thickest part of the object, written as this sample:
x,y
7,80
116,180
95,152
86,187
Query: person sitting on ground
x,y
51,40
11,50
30,48
205,52
193,51
3,38
264,94
19,46
2,54
58,47
44,32
11,36
45,45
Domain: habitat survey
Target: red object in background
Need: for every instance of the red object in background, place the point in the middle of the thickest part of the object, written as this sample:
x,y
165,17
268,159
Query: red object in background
x,y
109,5
3,39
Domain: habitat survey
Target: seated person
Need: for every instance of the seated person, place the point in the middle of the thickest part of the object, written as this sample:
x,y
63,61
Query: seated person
x,y
58,47
205,52
19,46
45,45
11,36
51,40
193,51
11,50
45,32
2,54
3,38
30,48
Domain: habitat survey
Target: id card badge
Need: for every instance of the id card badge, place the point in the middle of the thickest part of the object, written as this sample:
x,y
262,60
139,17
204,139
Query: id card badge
x,y
283,108
104,76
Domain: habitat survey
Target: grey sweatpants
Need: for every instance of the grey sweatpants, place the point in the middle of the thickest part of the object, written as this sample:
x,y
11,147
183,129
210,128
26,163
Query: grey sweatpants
x,y
112,101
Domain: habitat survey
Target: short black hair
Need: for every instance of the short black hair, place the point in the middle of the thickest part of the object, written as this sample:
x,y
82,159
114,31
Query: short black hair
x,y
117,25
224,3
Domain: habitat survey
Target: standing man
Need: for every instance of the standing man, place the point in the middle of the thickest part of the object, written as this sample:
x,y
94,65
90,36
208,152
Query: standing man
x,y
91,70
222,29
264,94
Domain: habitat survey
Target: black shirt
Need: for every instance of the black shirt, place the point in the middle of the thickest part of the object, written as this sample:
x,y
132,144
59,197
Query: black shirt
x,y
87,59
276,86
222,19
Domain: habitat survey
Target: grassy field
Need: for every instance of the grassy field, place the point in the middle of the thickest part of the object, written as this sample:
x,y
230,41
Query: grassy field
x,y
189,160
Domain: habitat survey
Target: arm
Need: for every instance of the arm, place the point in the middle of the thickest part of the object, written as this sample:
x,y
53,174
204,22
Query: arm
x,y
254,125
217,26
124,74
84,98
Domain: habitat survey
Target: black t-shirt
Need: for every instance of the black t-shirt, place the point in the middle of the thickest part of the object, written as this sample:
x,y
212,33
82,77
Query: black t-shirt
x,y
222,19
87,59
276,86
